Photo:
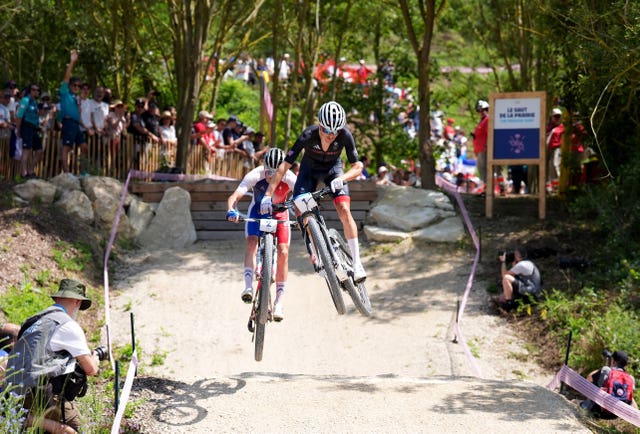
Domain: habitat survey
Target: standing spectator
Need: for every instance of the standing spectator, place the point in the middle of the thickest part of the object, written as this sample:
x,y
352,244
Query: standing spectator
x,y
167,130
555,130
51,346
365,168
259,146
72,135
285,70
449,130
383,176
6,125
521,279
480,135
151,118
363,73
200,126
11,87
578,134
115,124
141,134
230,135
221,148
85,110
28,129
99,112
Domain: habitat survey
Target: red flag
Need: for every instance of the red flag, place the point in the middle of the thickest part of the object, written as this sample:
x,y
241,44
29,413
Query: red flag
x,y
267,102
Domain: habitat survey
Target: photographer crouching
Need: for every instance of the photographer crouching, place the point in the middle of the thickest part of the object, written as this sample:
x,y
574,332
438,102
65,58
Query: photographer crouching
x,y
51,361
522,279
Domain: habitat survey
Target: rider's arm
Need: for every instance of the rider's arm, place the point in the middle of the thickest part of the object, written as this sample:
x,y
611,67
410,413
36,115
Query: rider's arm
x,y
354,171
282,169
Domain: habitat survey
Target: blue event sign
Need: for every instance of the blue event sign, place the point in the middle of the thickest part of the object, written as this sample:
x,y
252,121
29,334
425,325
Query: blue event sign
x,y
516,129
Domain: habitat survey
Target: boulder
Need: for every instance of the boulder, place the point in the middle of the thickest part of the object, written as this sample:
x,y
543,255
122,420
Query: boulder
x,y
105,207
65,182
446,231
77,205
172,226
407,212
36,190
99,186
140,215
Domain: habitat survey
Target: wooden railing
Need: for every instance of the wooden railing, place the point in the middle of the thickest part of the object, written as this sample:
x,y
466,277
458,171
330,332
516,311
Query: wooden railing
x,y
107,158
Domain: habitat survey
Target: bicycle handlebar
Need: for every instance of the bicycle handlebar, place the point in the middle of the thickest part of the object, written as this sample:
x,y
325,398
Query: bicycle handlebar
x,y
318,194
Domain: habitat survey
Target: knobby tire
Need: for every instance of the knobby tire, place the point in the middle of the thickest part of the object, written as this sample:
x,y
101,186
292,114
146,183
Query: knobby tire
x,y
357,291
263,294
322,253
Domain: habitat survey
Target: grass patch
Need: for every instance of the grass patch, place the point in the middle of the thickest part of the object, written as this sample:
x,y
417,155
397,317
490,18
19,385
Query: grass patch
x,y
71,258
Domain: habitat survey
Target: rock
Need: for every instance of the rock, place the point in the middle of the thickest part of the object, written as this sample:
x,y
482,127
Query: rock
x,y
407,212
375,233
36,189
65,182
447,231
172,226
76,204
105,207
97,186
140,215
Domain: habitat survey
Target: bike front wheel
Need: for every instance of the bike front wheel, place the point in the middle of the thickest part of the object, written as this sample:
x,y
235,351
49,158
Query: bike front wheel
x,y
264,290
322,254
357,291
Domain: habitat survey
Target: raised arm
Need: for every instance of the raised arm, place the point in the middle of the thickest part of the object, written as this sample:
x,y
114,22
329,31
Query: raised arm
x,y
72,61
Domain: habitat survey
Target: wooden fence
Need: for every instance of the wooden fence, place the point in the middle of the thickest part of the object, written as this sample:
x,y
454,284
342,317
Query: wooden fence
x,y
107,158
209,205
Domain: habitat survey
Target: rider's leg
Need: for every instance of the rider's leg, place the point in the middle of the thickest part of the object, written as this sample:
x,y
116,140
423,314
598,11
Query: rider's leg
x,y
249,267
283,270
342,204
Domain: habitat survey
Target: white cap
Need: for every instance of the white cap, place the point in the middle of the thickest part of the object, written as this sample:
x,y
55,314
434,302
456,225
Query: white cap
x,y
361,61
556,111
382,169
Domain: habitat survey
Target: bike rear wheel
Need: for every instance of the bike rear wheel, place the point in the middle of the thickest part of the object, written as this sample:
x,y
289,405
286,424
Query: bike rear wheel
x,y
264,290
322,254
357,292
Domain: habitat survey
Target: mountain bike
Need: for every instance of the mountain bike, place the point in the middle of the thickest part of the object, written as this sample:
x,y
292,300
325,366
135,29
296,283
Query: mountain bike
x,y
266,267
330,254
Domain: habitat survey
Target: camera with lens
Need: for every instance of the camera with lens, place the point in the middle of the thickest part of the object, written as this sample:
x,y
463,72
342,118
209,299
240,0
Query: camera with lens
x,y
607,354
508,255
102,353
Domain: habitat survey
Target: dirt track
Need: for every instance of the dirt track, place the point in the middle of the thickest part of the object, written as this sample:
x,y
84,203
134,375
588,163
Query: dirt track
x,y
398,371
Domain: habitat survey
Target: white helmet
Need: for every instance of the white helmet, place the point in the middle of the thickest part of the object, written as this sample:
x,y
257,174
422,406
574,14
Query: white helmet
x,y
274,158
481,105
332,116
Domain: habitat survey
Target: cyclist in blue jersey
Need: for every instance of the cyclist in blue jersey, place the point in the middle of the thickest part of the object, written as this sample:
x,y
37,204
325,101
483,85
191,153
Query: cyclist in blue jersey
x,y
258,181
323,144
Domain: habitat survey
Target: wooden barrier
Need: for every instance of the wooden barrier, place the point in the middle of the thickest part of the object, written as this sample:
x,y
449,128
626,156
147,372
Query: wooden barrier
x,y
114,159
209,205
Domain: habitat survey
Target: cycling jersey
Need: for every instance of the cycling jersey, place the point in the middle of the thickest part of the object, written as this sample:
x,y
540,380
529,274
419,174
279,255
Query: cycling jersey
x,y
314,155
319,165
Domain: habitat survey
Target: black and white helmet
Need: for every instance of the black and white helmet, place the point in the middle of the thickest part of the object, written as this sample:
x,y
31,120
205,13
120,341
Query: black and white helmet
x,y
273,158
332,116
481,105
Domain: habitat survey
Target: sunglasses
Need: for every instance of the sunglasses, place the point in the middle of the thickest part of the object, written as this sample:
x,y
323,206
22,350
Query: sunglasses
x,y
328,131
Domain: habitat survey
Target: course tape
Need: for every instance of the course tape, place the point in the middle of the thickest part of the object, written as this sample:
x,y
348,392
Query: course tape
x,y
126,391
576,381
452,189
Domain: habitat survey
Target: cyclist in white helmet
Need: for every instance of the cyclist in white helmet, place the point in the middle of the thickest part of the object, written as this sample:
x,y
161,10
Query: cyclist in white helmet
x,y
258,180
323,145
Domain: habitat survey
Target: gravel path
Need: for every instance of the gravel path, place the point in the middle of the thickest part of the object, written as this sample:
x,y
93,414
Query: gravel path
x,y
399,371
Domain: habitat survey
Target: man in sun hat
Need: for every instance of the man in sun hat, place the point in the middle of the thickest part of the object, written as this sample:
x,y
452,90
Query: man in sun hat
x,y
51,356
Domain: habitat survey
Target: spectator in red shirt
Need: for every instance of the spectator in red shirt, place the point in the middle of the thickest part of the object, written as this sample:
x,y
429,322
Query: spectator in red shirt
x,y
555,130
480,138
